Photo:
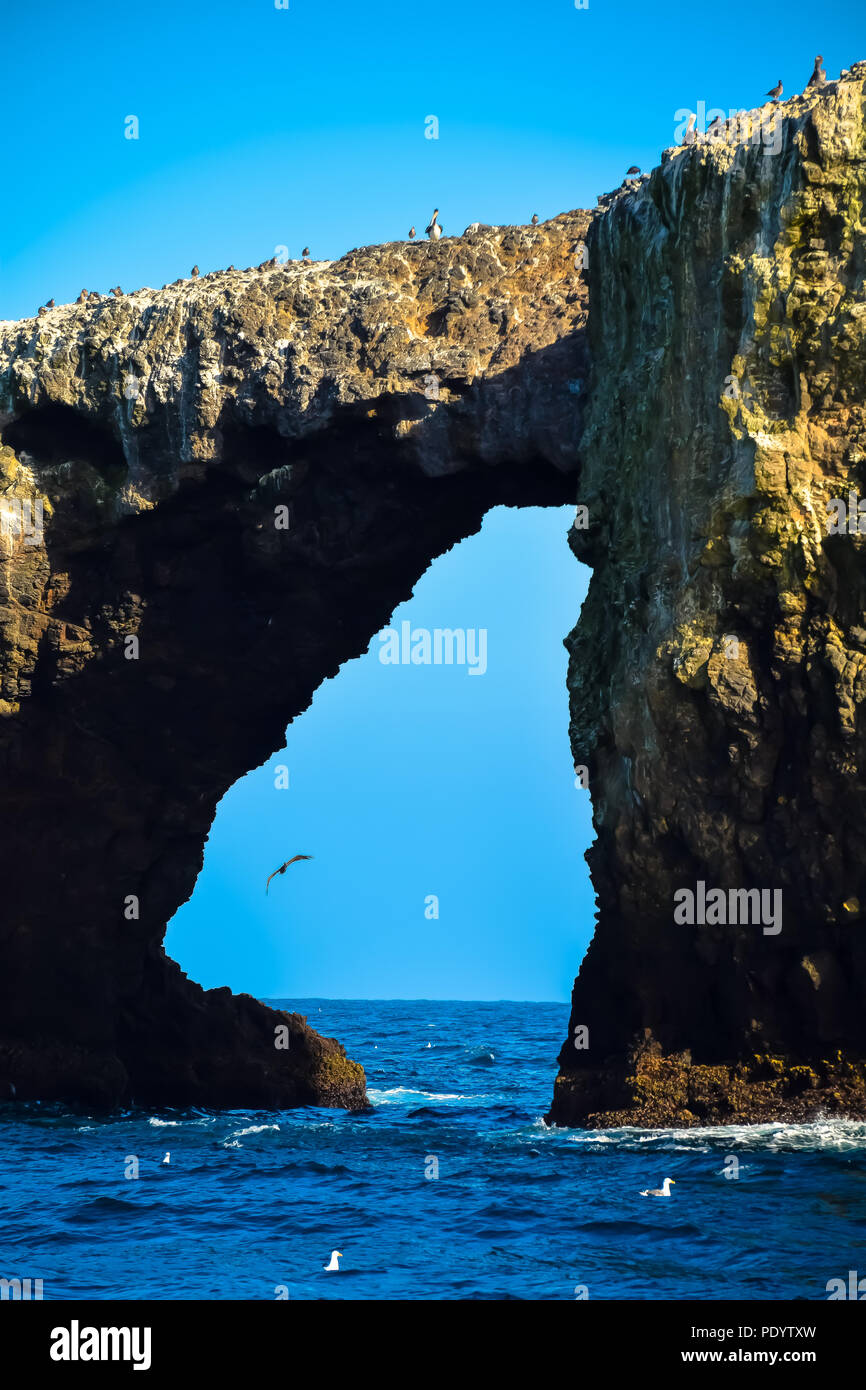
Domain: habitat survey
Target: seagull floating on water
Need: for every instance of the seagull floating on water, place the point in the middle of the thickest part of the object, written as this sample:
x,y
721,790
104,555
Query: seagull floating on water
x,y
167,1158
336,1256
282,869
663,1191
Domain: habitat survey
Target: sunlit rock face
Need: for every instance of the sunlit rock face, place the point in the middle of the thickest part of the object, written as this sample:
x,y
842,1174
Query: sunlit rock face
x,y
212,496
718,672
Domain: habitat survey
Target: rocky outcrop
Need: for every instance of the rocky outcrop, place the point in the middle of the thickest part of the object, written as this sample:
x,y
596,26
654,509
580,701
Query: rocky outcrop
x,y
718,672
211,496
241,477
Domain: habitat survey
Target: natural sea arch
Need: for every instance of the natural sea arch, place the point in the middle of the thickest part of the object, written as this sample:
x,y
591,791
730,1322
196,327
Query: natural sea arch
x,y
441,808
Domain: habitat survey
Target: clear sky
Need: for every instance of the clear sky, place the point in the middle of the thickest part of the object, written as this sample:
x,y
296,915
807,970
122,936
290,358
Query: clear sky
x,y
407,782
260,128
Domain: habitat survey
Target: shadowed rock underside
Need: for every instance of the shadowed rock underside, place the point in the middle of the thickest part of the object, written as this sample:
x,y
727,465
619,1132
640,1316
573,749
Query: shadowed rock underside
x,y
379,406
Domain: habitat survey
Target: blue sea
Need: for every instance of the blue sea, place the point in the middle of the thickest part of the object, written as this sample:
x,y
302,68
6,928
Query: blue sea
x,y
451,1187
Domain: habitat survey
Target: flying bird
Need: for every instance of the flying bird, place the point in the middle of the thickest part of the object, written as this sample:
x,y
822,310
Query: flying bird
x,y
776,92
819,76
283,867
434,231
663,1191
336,1256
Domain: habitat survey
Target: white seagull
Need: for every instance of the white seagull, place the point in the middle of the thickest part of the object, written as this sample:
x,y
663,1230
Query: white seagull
x,y
336,1256
167,1158
663,1191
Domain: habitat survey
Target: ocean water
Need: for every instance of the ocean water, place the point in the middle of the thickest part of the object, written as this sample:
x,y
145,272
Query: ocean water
x,y
252,1203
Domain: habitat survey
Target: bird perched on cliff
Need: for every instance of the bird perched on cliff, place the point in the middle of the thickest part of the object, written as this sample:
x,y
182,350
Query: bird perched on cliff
x,y
776,92
690,136
116,291
819,76
49,303
334,1263
283,867
94,296
193,274
663,1191
411,233
534,219
40,311
434,231
305,254
229,267
82,298
633,170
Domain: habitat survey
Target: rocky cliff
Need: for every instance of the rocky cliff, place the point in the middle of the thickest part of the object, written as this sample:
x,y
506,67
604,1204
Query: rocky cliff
x,y
718,672
211,496
216,493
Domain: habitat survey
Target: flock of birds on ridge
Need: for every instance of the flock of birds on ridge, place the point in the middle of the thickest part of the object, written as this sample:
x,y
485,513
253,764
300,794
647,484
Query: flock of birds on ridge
x,y
434,230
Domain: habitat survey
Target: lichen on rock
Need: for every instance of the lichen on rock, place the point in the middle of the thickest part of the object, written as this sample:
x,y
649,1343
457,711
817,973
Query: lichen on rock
x,y
716,673
242,476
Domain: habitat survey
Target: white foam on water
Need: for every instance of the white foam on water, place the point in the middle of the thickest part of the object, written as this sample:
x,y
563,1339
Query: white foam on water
x,y
823,1135
251,1129
397,1093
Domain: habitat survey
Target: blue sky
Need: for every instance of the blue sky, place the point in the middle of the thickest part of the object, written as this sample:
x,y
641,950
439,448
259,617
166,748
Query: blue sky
x,y
412,781
262,127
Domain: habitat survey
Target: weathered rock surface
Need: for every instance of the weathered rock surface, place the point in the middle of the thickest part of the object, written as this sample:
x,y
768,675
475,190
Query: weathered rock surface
x,y
381,404
716,677
718,672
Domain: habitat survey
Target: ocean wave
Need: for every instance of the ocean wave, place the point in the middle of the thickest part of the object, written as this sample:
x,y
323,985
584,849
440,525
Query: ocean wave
x,y
398,1093
822,1136
251,1129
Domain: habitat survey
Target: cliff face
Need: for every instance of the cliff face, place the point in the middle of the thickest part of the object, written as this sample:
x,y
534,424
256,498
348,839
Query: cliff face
x,y
211,496
241,477
718,672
